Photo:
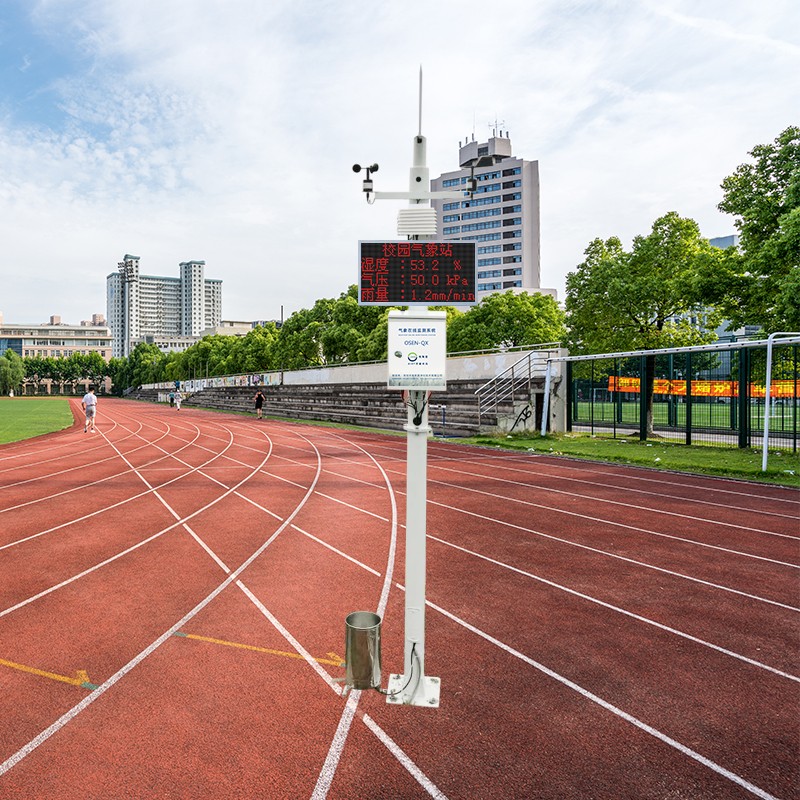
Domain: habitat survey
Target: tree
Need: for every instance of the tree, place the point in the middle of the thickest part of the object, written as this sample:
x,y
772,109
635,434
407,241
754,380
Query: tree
x,y
765,198
618,301
506,320
12,372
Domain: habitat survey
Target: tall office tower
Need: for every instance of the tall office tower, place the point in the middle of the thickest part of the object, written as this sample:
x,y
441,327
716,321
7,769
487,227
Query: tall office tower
x,y
144,307
501,217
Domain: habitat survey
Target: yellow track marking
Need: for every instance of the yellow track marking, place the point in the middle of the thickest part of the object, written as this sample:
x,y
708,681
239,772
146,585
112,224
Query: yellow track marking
x,y
336,663
81,676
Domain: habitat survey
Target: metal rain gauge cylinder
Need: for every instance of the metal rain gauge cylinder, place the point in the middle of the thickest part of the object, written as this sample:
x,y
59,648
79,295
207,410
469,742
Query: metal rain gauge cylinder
x,y
362,648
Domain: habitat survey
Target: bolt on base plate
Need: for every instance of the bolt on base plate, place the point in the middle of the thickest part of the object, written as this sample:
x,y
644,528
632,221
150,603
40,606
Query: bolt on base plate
x,y
423,693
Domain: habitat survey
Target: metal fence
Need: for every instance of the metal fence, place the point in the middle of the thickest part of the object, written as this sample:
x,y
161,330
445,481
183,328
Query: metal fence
x,y
714,394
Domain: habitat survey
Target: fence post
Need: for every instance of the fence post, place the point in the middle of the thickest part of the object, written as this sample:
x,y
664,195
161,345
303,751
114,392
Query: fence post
x,y
643,398
744,399
688,398
794,404
570,391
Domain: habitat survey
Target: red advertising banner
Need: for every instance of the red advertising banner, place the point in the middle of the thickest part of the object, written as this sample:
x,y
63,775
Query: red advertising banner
x,y
778,389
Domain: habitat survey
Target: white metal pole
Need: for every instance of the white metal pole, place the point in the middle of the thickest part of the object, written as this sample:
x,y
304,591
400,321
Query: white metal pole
x,y
767,398
416,553
546,403
767,389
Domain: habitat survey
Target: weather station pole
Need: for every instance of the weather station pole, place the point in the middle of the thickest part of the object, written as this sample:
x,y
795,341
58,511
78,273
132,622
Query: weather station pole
x,y
418,273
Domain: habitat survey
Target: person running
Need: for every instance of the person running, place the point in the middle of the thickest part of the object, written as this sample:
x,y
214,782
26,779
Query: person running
x,y
259,401
89,405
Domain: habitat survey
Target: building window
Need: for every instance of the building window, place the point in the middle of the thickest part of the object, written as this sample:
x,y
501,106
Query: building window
x,y
477,226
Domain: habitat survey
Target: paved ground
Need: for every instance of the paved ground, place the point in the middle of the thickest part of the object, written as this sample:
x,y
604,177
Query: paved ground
x,y
174,589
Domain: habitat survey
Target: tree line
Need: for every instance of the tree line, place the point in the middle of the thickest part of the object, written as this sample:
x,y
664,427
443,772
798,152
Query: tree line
x,y
616,299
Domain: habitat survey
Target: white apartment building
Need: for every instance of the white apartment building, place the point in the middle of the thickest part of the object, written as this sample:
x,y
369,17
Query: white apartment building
x,y
501,217
149,308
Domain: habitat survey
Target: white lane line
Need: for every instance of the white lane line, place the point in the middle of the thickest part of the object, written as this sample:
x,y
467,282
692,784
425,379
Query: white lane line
x,y
605,553
336,748
619,610
647,531
618,712
125,552
450,451
527,473
401,756
65,718
93,484
596,550
331,764
338,552
149,490
333,757
594,499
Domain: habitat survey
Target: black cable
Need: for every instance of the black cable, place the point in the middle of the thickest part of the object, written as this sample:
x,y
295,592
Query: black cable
x,y
410,675
418,411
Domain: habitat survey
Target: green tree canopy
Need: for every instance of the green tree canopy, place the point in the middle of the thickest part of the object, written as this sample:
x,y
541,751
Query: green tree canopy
x,y
506,320
636,301
643,300
12,372
765,198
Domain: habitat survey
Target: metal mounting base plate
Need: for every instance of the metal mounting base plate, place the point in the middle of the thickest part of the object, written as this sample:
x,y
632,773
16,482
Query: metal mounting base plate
x,y
425,693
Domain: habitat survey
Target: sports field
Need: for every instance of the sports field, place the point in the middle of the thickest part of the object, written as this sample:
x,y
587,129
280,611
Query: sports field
x,y
175,588
23,417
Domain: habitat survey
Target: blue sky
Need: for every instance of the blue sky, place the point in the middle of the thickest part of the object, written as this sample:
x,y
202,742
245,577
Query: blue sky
x,y
225,131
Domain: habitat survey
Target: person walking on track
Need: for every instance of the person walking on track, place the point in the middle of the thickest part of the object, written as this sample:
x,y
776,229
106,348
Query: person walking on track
x,y
89,405
259,401
178,398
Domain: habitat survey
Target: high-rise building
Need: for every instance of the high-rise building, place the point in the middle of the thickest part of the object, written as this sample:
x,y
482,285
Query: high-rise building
x,y
145,307
501,216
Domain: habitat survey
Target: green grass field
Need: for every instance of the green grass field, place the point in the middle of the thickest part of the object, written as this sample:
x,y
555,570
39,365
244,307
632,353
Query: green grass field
x,y
704,415
24,417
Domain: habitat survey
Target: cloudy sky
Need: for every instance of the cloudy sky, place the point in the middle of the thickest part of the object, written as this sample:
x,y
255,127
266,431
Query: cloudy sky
x,y
225,130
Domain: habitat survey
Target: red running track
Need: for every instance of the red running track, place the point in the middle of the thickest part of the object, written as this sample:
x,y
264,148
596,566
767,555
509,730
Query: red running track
x,y
174,589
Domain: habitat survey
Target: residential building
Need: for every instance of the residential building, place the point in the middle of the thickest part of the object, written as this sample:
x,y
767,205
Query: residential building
x,y
501,216
149,308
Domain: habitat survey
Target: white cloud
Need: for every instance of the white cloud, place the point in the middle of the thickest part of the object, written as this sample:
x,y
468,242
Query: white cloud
x,y
194,129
